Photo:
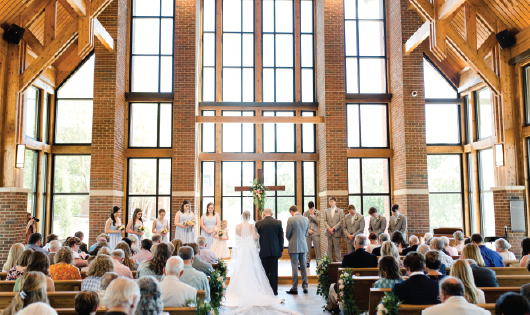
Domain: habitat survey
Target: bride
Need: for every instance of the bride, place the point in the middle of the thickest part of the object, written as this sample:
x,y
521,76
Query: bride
x,y
249,289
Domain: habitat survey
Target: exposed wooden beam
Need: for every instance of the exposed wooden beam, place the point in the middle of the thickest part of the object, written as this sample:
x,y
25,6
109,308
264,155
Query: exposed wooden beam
x,y
32,12
85,43
33,42
97,6
437,33
129,153
261,119
443,65
445,149
419,36
71,149
370,153
484,13
37,145
522,42
50,22
76,8
424,9
487,46
448,8
471,26
104,37
258,156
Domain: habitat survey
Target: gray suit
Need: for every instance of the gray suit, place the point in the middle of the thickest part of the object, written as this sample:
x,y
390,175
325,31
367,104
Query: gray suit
x,y
377,225
353,225
296,232
336,224
314,238
398,223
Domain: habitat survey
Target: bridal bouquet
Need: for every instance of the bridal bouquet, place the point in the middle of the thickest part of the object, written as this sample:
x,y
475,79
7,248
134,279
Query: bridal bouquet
x,y
188,224
121,227
163,231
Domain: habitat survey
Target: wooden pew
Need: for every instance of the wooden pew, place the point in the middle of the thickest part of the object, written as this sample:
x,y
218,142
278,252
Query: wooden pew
x,y
408,309
60,285
170,310
3,275
83,274
512,281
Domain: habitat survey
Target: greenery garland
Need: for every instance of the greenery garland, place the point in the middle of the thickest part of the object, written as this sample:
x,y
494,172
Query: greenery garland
x,y
259,194
202,307
217,289
389,304
222,268
324,280
345,293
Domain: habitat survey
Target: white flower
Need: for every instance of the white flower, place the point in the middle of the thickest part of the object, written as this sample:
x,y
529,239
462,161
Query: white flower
x,y
341,281
224,285
220,279
212,312
341,287
346,275
380,306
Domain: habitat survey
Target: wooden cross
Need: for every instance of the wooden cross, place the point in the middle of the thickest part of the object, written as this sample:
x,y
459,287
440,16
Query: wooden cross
x,y
260,179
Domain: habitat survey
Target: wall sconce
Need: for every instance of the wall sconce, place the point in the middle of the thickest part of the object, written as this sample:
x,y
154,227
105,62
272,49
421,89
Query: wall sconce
x,y
499,154
21,155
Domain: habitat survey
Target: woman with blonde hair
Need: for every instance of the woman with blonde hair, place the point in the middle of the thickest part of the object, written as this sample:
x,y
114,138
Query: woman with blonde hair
x,y
104,251
462,271
22,263
128,261
389,249
32,289
15,252
471,251
101,265
178,244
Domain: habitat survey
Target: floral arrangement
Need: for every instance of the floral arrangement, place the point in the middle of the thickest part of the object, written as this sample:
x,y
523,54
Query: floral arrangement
x,y
389,304
324,280
141,228
259,194
121,227
217,290
345,293
220,233
222,268
188,224
202,307
163,231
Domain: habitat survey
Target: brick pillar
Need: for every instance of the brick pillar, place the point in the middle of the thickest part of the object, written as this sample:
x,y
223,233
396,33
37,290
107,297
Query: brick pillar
x,y
408,118
108,134
501,204
13,209
330,90
185,177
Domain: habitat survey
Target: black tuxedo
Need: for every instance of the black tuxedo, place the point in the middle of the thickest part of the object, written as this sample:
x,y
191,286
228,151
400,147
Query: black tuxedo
x,y
360,258
484,277
376,251
270,233
413,248
418,290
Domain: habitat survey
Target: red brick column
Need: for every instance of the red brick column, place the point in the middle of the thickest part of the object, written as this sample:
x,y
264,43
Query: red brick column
x,y
501,204
13,211
108,127
408,118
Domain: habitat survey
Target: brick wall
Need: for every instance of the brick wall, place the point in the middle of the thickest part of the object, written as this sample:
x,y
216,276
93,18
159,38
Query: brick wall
x,y
13,212
501,204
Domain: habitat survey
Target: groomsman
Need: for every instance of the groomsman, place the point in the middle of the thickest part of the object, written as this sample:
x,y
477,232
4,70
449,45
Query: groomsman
x,y
398,222
377,221
333,223
313,215
353,225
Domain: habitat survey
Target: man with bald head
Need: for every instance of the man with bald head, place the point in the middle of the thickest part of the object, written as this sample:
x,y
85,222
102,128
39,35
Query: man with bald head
x,y
270,231
452,296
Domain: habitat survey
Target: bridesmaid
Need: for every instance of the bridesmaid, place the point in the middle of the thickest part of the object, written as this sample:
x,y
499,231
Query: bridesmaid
x,y
209,223
185,234
136,223
112,227
161,223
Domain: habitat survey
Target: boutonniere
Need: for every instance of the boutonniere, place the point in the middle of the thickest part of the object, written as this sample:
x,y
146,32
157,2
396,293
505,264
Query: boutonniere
x,y
356,217
336,210
378,218
398,218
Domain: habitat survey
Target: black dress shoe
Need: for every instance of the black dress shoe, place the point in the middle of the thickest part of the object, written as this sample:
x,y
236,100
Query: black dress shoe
x,y
275,293
305,291
291,292
298,267
307,265
335,310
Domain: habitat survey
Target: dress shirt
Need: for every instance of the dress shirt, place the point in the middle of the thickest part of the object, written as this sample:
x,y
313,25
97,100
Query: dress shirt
x,y
47,246
491,258
460,247
91,283
142,256
446,260
37,248
202,266
455,305
207,255
507,255
122,270
416,273
333,212
451,250
176,293
196,279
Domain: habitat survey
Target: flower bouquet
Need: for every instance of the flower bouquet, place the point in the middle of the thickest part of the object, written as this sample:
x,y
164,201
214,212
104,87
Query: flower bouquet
x,y
141,229
163,231
345,293
259,194
121,227
188,224
220,233
202,306
324,280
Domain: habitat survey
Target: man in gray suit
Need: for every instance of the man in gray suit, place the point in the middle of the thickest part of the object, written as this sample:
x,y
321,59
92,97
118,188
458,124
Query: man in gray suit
x,y
398,222
333,222
377,221
297,231
313,215
353,225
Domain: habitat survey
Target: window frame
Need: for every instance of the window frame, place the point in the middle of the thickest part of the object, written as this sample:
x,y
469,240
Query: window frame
x,y
241,193
468,120
34,189
242,132
274,194
361,194
202,185
477,115
303,184
276,132
360,127
526,93
38,107
459,121
214,52
215,132
44,192
130,112
470,190
312,33
313,126
481,191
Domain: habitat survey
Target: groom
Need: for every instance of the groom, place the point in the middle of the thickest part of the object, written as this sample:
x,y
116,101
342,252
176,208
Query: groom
x,y
271,246
296,233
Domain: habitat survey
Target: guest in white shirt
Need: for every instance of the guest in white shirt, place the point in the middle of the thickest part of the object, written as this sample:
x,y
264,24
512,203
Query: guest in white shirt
x,y
502,246
205,254
373,238
451,250
426,237
49,239
438,245
459,240
174,292
453,301
123,271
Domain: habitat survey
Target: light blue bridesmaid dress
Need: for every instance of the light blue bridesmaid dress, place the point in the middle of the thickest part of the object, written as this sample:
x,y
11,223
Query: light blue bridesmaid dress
x,y
160,226
135,228
209,223
184,234
115,238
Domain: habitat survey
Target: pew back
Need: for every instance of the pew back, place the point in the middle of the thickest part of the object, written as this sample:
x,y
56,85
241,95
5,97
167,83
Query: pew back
x,y
60,285
407,309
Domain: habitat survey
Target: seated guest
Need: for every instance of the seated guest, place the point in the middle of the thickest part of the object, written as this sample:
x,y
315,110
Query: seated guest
x,y
432,265
418,289
134,246
427,236
389,273
374,242
382,238
198,263
86,303
150,297
484,277
174,292
461,270
104,251
15,251
128,261
438,245
21,265
122,297
453,301
38,261
105,282
459,240
491,258
35,243
414,244
512,304
389,249
360,258
101,265
451,250
192,276
49,239
525,244
155,266
89,261
423,249
398,239
83,247
103,239
206,254
145,251
118,256
156,238
177,244
129,243
171,247
55,245
40,308
63,269
502,246
32,290
525,289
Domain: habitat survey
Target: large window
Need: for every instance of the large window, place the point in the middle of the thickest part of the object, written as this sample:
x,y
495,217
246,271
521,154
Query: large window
x,y
149,188
367,125
486,181
280,174
238,137
73,119
30,178
32,112
445,190
208,50
308,134
307,48
470,190
369,184
468,111
436,85
152,46
44,189
150,125
207,184
279,137
364,29
484,113
70,199
309,184
442,124
526,83
208,133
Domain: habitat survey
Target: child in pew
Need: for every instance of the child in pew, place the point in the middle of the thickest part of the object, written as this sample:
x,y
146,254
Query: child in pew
x,y
87,302
388,272
32,289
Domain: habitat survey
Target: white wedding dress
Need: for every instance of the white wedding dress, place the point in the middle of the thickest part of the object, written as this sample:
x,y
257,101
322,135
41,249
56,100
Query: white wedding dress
x,y
249,291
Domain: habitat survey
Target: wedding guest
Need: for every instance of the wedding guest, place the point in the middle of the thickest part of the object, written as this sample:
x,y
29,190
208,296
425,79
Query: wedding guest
x,y
513,304
462,270
129,243
63,269
74,243
352,225
389,249
174,292
491,258
128,261
113,225
15,251
145,251
502,247
198,264
525,244
49,239
399,241
32,290
205,254
192,276
414,244
185,233
398,222
118,256
86,303
40,308
333,219
423,249
377,221
55,246
157,239
433,263
150,297
389,273
373,239
171,248
134,244
103,240
178,243
38,261
122,297
83,247
418,289
427,236
219,247
459,240
313,215
161,226
35,243
453,301
525,289
101,265
31,227
450,250
382,238
210,222
136,224
359,258
438,245
104,251
107,278
484,277
155,266
90,260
